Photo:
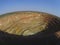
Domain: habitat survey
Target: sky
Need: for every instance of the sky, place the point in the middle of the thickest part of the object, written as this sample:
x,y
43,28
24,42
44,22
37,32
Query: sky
x,y
48,6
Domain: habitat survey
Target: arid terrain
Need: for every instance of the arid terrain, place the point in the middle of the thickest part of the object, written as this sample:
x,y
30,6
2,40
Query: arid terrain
x,y
29,28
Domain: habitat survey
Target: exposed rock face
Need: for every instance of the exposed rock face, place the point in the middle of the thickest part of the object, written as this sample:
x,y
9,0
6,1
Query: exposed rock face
x,y
29,26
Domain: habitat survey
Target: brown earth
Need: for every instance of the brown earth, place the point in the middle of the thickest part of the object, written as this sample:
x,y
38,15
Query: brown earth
x,y
29,26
